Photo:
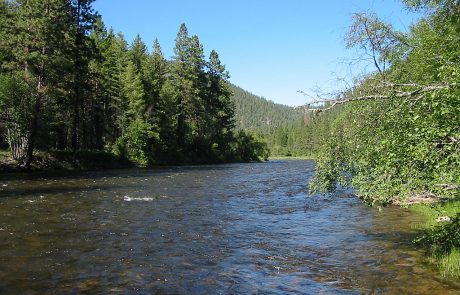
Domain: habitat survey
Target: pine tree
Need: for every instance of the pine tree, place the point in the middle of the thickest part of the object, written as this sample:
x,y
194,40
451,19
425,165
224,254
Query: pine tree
x,y
189,82
155,71
133,91
103,77
197,107
118,52
59,62
36,41
220,106
83,18
138,53
180,87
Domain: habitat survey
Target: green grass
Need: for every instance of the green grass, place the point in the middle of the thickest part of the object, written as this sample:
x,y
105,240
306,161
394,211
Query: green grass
x,y
4,154
449,264
450,208
441,238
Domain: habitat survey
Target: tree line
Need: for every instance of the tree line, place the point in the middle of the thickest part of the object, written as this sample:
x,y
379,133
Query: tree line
x,y
69,83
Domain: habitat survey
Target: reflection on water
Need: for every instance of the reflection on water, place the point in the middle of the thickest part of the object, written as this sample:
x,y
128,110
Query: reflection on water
x,y
227,229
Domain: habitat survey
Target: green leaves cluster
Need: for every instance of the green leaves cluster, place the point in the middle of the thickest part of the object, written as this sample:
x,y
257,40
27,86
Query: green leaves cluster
x,y
405,143
395,136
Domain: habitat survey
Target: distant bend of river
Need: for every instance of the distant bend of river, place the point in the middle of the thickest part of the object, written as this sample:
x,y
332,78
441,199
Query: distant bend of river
x,y
224,229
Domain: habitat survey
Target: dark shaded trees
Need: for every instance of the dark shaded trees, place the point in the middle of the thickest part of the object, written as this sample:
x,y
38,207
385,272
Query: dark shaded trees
x,y
34,51
81,52
68,83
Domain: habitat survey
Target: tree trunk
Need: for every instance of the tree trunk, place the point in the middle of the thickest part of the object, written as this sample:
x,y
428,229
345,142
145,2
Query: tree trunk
x,y
34,126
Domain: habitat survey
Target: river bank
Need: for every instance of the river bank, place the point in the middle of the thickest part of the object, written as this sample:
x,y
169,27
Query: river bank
x,y
65,161
440,235
279,158
52,161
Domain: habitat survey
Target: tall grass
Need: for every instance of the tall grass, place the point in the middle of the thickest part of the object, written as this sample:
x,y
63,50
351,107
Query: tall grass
x,y
442,238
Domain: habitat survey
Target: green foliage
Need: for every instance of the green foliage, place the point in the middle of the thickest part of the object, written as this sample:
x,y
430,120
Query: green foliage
x,y
133,91
247,148
16,109
259,115
283,128
395,138
15,106
137,143
443,238
400,146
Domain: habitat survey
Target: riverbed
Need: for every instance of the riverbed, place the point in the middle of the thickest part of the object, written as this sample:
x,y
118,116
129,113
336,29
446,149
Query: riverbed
x,y
221,229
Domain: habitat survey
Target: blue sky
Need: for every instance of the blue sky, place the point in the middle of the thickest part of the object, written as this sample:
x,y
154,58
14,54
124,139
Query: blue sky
x,y
271,48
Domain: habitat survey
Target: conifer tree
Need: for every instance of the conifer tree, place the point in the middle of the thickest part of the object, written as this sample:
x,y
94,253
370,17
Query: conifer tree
x,y
36,41
180,88
138,53
189,83
133,91
66,82
155,71
219,105
83,18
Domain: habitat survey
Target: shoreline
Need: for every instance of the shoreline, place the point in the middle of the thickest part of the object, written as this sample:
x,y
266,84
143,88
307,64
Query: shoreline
x,y
277,158
65,161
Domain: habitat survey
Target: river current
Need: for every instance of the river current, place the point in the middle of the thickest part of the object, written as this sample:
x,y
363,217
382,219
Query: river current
x,y
223,229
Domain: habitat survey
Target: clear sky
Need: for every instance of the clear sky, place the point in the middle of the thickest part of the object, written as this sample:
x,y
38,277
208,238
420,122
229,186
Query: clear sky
x,y
271,48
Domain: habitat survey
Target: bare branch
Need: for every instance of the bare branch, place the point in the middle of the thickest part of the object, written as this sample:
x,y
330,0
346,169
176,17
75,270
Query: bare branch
x,y
342,98
448,186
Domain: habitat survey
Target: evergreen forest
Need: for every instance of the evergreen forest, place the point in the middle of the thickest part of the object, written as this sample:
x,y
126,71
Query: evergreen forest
x,y
287,131
69,85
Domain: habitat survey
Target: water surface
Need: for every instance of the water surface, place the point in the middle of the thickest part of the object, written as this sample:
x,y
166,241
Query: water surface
x,y
225,229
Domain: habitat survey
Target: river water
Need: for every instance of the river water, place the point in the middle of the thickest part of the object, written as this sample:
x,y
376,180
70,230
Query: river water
x,y
224,229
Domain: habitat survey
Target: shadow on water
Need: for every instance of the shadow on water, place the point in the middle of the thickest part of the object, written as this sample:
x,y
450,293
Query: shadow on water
x,y
39,183
91,174
225,229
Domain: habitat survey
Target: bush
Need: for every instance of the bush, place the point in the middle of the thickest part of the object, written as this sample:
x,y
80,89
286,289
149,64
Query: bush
x,y
247,148
138,143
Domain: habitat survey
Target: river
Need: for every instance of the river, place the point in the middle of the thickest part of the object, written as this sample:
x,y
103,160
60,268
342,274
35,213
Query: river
x,y
223,229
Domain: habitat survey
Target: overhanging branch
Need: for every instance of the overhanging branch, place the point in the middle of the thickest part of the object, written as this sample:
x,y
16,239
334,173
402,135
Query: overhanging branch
x,y
390,94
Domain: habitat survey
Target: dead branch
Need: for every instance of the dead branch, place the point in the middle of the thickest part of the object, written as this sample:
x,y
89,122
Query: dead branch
x,y
392,93
448,186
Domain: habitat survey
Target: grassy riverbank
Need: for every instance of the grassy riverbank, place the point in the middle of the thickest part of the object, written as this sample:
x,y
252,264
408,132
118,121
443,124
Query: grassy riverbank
x,y
441,235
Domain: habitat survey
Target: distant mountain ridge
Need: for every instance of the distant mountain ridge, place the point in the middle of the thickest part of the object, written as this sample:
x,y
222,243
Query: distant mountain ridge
x,y
257,114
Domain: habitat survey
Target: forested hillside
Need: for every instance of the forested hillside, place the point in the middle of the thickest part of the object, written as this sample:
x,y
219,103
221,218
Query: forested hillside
x,y
69,84
282,128
257,114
